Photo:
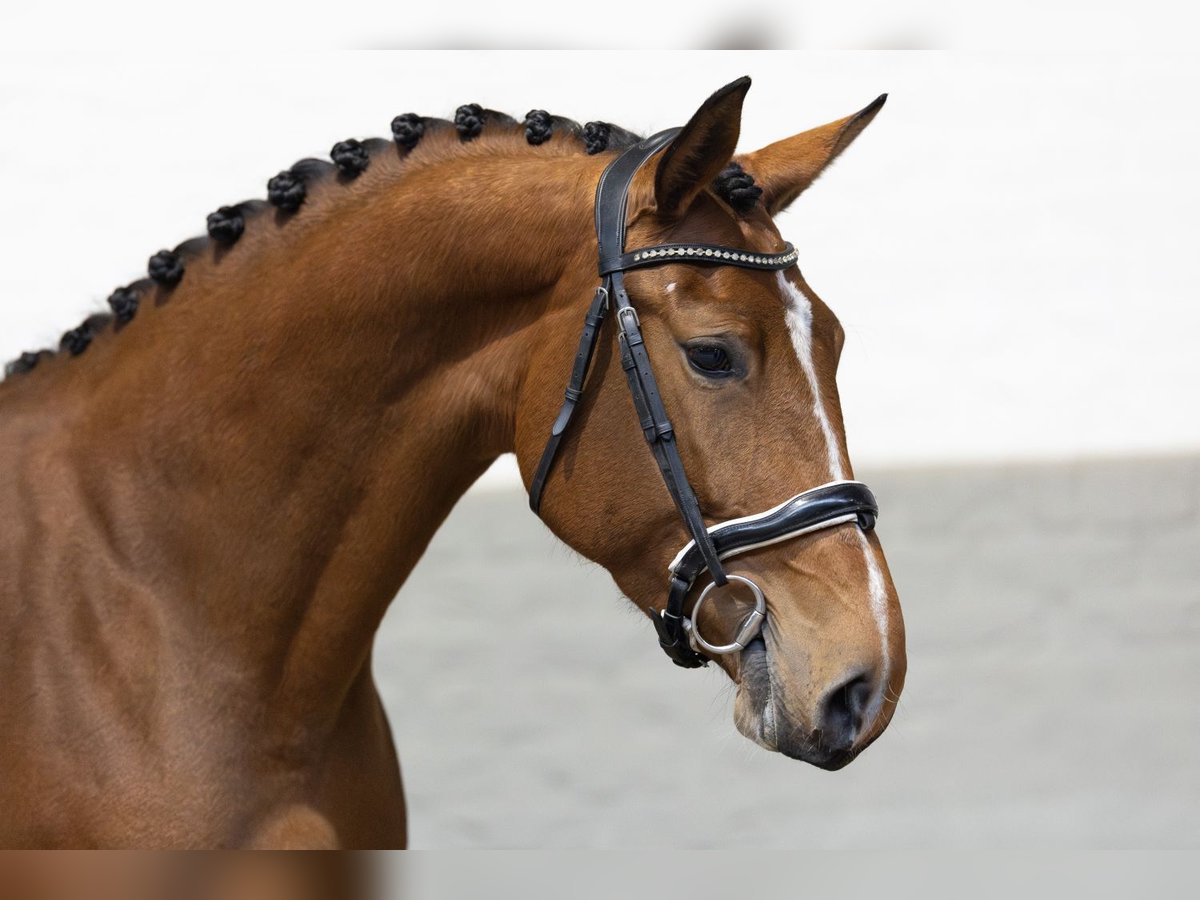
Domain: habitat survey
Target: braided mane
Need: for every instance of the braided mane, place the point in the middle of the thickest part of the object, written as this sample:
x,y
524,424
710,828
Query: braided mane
x,y
288,191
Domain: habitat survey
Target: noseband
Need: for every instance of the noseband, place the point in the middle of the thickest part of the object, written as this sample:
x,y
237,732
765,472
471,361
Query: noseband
x,y
821,507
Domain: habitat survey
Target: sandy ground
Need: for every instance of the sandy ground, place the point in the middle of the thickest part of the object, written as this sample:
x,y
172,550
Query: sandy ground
x,y
1053,617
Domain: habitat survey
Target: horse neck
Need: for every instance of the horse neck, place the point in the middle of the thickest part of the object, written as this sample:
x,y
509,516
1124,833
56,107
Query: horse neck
x,y
275,448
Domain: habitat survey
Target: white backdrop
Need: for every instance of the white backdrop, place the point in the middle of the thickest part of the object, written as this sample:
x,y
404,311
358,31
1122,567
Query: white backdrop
x,y
1010,245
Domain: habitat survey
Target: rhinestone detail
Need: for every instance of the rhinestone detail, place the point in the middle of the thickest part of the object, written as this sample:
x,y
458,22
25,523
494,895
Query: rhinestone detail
x,y
755,259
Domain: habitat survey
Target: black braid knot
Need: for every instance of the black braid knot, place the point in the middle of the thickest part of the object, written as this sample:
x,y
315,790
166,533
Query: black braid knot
x,y
538,125
166,267
595,137
124,304
737,188
468,119
226,224
286,191
350,156
407,130
23,363
77,339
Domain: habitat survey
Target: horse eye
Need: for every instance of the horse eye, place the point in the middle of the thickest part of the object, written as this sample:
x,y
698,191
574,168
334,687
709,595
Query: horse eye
x,y
709,359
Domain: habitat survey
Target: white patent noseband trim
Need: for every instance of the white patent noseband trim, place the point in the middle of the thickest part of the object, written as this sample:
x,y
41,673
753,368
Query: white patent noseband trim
x,y
840,520
713,529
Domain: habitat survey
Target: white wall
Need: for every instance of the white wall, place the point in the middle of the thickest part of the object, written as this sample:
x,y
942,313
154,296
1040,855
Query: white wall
x,y
124,27
1010,245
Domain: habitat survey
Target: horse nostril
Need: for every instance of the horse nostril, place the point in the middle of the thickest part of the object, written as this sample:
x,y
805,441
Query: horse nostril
x,y
842,712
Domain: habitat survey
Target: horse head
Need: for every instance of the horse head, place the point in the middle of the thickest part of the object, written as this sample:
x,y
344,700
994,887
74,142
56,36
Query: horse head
x,y
743,355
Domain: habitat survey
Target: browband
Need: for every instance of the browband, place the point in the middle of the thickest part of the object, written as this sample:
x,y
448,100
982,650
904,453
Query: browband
x,y
707,253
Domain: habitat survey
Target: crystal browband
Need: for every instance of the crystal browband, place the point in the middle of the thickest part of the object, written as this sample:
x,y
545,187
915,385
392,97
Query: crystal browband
x,y
700,253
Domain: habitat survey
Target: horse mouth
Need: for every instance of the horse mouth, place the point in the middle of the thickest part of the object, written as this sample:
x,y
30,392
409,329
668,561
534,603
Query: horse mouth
x,y
759,716
754,711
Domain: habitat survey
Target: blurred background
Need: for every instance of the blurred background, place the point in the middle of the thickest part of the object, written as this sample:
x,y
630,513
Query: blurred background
x,y
1010,247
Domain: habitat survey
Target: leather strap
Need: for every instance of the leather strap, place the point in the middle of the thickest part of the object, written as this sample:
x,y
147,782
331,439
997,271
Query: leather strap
x,y
583,361
660,435
612,195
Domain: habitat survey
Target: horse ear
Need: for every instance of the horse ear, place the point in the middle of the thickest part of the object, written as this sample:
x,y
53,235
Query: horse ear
x,y
700,151
786,168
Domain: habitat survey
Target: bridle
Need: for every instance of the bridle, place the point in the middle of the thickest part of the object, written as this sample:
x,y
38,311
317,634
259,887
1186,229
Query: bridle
x,y
821,507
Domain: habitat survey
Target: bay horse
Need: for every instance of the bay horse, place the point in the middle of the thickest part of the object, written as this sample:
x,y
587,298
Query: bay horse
x,y
212,494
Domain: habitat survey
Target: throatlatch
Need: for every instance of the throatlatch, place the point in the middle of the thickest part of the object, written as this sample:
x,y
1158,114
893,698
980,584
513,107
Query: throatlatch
x,y
821,507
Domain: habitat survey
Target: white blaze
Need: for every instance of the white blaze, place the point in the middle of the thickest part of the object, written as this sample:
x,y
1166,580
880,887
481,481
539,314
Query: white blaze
x,y
798,314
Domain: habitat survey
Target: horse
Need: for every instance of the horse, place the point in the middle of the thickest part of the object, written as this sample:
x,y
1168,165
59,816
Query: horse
x,y
213,492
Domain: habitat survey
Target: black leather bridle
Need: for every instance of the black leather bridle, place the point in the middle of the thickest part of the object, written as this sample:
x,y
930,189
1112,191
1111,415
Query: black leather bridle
x,y
821,507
